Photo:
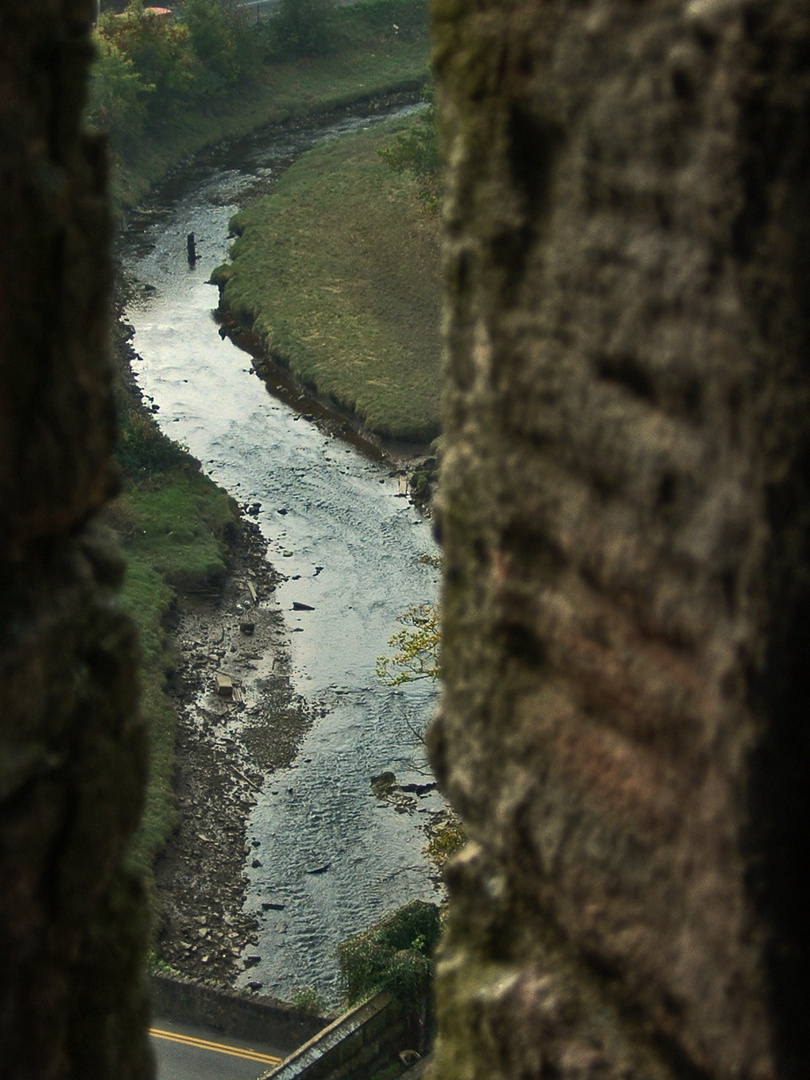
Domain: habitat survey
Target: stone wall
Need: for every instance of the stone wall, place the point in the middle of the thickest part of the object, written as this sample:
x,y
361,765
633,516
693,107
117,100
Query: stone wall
x,y
244,1016
362,1043
625,519
72,751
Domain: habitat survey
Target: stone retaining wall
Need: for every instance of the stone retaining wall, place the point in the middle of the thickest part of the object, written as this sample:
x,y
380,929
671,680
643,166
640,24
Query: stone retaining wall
x,y
225,1010
356,1046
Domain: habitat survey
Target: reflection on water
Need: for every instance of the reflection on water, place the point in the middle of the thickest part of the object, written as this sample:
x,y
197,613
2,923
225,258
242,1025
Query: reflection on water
x,y
332,858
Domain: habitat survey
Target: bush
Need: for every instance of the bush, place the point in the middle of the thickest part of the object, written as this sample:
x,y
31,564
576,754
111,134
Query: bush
x,y
306,999
446,837
146,61
416,150
118,93
158,46
225,41
394,955
302,27
408,975
143,450
213,41
417,647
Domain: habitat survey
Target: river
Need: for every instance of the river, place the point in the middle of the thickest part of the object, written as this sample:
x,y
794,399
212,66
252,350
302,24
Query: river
x,y
351,548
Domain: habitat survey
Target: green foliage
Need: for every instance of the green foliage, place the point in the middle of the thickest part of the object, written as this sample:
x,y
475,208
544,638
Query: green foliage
x,y
211,32
158,46
172,527
394,955
366,57
148,598
227,43
424,478
307,999
409,973
416,647
142,450
118,93
416,151
303,27
147,62
446,837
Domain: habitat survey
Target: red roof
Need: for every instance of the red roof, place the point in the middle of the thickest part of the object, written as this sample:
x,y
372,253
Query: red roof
x,y
149,11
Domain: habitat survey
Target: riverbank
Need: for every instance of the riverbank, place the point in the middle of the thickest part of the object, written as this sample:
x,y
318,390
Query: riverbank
x,y
225,746
337,276
203,593
380,48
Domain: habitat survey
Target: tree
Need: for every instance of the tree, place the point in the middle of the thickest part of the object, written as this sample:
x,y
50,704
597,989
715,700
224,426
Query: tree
x,y
417,647
302,27
211,29
158,46
118,93
417,656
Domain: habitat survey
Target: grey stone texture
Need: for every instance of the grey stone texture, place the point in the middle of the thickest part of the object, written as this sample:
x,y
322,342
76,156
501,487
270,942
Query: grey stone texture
x,y
72,748
625,519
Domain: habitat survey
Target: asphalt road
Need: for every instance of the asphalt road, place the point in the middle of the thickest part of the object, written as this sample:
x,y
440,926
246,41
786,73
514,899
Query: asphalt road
x,y
184,1052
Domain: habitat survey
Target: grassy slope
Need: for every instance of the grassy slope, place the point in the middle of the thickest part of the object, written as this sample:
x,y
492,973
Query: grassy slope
x,y
369,59
339,273
174,525
174,528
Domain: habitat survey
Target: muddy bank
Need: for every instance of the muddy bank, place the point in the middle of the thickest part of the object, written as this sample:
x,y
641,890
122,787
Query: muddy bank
x,y
404,459
225,745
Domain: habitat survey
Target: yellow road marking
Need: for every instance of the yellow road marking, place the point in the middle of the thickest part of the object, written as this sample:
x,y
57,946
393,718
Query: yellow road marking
x,y
219,1048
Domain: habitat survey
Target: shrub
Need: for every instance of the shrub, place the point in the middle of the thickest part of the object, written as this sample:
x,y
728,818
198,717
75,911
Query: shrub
x,y
408,974
118,93
302,27
416,150
216,32
417,647
393,955
446,837
143,450
158,46
306,999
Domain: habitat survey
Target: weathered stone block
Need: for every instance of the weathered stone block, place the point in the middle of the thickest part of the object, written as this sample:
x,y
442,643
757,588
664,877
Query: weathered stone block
x,y
72,749
625,517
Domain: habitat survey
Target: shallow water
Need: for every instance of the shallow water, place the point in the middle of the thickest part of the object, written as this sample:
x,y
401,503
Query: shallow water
x,y
337,525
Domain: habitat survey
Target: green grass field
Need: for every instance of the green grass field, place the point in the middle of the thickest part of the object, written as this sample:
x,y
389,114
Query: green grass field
x,y
338,272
